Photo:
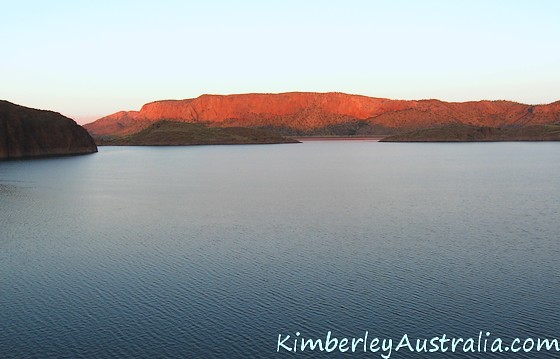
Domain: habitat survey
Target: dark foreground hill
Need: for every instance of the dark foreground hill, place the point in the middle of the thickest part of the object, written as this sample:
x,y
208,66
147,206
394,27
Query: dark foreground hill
x,y
27,132
169,133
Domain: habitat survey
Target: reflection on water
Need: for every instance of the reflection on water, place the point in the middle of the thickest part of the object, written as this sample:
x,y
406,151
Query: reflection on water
x,y
213,251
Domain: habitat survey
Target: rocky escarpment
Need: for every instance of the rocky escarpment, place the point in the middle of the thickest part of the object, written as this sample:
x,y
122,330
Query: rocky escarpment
x,y
27,132
338,114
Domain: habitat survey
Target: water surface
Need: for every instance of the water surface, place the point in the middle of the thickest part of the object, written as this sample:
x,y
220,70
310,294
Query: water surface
x,y
213,251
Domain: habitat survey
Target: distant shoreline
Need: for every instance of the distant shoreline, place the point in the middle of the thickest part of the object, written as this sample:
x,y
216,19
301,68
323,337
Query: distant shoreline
x,y
337,138
469,133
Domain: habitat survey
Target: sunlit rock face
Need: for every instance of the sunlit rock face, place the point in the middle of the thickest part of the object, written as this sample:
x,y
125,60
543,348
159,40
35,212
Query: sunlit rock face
x,y
305,113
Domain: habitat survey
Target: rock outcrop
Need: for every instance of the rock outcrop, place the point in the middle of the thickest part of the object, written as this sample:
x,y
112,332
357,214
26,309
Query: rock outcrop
x,y
27,132
298,113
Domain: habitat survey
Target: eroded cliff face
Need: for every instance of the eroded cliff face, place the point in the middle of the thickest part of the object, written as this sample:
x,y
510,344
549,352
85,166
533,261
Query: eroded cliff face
x,y
315,113
27,132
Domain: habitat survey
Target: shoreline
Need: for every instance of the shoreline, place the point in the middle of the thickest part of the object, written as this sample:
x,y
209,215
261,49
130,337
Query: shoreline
x,y
337,138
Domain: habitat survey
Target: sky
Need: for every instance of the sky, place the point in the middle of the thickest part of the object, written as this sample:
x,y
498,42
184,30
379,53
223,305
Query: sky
x,y
88,59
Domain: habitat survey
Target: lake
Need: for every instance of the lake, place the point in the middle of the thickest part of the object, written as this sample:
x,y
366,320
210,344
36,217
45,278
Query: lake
x,y
224,251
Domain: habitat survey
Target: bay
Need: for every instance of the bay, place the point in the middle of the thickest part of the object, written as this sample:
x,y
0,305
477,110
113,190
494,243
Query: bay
x,y
216,251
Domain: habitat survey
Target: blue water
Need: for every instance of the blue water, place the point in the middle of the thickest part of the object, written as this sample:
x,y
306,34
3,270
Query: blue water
x,y
215,251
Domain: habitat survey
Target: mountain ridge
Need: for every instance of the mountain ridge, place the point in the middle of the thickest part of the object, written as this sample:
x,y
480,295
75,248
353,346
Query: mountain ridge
x,y
333,113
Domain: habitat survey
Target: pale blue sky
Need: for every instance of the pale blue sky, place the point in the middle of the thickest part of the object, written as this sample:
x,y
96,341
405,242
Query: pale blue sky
x,y
87,59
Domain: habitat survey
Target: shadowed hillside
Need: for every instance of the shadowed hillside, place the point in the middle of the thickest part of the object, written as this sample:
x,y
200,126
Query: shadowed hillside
x,y
465,133
168,133
27,132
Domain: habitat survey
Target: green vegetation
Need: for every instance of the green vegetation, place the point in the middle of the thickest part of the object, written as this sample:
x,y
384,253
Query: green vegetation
x,y
171,133
467,133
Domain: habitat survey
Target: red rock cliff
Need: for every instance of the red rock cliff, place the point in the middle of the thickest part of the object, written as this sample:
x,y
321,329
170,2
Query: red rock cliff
x,y
312,113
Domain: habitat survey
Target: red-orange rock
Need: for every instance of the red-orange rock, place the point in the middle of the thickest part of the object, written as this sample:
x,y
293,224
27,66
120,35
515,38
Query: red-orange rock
x,y
311,113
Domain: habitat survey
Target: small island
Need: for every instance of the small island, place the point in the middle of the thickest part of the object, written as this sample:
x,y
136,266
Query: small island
x,y
172,133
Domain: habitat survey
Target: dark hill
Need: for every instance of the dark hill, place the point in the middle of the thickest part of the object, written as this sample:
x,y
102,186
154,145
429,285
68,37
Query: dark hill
x,y
27,132
169,133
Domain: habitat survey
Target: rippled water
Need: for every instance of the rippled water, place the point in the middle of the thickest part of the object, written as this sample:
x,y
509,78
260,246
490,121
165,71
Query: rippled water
x,y
213,251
